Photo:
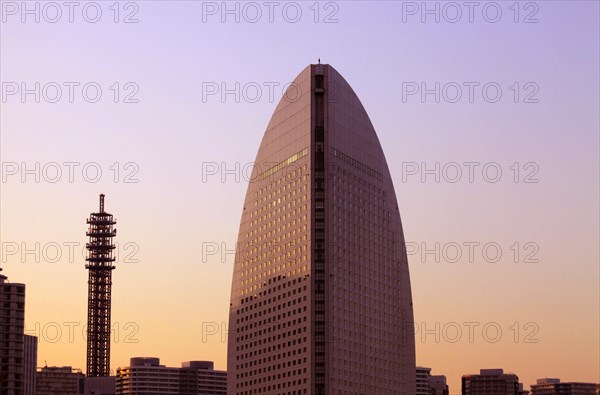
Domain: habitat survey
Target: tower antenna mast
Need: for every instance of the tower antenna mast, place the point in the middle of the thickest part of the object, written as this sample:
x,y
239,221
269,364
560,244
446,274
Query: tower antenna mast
x,y
100,261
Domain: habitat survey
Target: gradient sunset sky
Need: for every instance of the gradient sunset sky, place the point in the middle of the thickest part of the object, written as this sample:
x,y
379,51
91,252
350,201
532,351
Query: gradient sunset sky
x,y
176,142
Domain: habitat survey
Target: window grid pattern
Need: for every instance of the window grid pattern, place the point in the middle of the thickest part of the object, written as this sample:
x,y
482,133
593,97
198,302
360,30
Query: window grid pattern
x,y
272,321
366,308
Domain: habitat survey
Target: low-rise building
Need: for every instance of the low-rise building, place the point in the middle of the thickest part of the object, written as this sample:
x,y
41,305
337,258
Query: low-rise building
x,y
553,386
423,375
146,376
438,385
59,380
490,382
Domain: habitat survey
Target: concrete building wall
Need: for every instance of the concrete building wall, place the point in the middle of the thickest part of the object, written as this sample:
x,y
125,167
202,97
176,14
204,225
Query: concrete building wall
x,y
59,380
490,382
100,385
555,387
12,325
438,385
423,377
146,376
30,346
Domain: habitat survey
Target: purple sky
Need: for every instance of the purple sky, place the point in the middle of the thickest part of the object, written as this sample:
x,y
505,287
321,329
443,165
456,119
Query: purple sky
x,y
546,121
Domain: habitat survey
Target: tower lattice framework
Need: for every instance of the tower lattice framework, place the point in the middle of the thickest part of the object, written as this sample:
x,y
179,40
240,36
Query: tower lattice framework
x,y
100,261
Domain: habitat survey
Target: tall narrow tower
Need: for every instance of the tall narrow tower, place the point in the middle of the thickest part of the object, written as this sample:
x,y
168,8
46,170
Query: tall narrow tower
x,y
100,264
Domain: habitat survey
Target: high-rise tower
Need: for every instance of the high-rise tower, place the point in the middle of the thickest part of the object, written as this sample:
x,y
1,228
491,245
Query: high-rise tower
x,y
12,328
100,265
321,300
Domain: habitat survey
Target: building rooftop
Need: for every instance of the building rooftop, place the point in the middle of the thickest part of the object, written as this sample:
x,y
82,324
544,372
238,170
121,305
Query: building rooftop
x,y
548,380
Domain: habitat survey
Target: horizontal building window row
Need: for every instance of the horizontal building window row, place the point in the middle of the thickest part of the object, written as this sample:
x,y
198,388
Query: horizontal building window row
x,y
283,164
360,166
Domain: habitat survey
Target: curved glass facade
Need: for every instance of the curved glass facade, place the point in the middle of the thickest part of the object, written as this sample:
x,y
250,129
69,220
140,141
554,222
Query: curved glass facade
x,y
321,300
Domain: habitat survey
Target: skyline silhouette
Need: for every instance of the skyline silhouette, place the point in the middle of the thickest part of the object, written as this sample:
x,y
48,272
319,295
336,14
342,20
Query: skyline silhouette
x,y
489,129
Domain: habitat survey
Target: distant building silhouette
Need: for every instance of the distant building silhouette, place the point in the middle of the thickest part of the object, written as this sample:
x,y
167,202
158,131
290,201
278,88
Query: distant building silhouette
x,y
438,385
321,301
430,385
490,382
423,375
146,376
59,380
12,327
522,391
30,347
100,385
553,386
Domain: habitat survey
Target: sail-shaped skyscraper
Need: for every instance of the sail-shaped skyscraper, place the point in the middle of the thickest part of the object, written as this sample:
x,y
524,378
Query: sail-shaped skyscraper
x,y
321,300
